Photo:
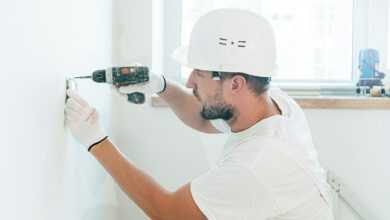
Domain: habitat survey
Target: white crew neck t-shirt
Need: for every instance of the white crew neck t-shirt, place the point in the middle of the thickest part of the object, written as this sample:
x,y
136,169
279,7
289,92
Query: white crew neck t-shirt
x,y
268,171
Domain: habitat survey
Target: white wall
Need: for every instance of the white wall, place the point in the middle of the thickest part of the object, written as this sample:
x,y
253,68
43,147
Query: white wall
x,y
352,144
355,145
44,174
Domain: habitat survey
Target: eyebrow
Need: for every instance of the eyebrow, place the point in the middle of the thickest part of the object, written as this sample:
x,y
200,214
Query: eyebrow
x,y
198,73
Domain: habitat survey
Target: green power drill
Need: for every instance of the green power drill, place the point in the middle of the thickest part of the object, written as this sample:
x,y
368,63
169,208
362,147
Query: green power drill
x,y
122,76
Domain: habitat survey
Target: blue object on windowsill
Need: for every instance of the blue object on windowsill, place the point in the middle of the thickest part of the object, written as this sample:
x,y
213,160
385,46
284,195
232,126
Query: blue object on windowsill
x,y
368,66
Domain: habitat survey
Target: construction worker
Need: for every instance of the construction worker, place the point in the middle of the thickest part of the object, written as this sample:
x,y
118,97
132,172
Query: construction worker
x,y
269,167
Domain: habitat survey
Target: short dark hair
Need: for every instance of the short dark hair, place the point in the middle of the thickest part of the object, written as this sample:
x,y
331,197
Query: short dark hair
x,y
257,84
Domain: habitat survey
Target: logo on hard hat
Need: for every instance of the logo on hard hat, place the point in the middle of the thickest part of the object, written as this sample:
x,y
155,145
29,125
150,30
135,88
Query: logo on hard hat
x,y
225,42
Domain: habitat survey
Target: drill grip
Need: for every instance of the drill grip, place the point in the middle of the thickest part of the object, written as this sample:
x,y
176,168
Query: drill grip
x,y
136,98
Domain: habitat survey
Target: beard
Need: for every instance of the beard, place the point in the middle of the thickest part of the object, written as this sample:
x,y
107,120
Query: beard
x,y
219,111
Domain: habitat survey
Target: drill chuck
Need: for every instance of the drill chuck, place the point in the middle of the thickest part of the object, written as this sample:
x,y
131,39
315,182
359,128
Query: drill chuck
x,y
99,76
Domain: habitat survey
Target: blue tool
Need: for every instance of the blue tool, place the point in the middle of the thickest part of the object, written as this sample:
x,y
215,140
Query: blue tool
x,y
368,66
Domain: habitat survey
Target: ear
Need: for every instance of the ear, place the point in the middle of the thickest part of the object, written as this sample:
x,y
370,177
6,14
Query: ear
x,y
237,83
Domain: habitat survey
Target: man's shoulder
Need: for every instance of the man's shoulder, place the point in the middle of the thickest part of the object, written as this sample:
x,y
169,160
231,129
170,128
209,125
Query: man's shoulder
x,y
287,104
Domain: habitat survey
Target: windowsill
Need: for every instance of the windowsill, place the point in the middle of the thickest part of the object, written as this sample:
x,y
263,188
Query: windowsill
x,y
322,102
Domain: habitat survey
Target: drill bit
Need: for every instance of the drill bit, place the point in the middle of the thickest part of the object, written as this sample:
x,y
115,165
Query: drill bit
x,y
82,77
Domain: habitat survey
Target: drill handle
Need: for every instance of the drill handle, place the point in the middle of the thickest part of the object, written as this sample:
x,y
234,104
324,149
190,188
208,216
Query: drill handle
x,y
136,98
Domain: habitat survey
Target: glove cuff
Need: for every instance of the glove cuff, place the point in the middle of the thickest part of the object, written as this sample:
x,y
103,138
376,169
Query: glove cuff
x,y
164,86
94,144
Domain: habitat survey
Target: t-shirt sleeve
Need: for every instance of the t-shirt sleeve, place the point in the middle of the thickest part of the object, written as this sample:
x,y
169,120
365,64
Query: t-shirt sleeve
x,y
231,192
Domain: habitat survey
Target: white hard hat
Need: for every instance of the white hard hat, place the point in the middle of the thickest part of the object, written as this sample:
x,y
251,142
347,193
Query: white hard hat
x,y
231,40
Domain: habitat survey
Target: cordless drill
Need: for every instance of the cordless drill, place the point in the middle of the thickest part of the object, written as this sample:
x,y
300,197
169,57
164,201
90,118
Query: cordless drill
x,y
122,76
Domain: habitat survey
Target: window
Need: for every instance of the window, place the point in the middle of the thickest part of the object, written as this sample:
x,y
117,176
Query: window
x,y
318,41
388,36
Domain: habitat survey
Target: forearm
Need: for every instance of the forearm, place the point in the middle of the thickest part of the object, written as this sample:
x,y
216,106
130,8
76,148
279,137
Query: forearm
x,y
141,188
186,107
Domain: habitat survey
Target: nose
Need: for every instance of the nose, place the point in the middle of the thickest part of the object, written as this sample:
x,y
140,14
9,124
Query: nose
x,y
190,82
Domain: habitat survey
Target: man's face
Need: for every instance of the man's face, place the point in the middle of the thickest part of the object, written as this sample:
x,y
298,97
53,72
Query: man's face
x,y
209,92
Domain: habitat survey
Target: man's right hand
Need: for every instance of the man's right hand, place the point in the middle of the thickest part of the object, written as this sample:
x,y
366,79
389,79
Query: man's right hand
x,y
156,84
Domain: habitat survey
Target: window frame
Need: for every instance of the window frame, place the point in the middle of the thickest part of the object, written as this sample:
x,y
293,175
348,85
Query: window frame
x,y
365,12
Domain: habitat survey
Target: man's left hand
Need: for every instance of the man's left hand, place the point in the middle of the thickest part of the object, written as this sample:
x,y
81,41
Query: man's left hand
x,y
83,120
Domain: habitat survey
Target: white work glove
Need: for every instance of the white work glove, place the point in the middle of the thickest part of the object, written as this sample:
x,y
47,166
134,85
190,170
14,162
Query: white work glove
x,y
83,121
156,84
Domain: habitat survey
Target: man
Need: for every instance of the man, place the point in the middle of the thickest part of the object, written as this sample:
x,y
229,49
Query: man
x,y
268,169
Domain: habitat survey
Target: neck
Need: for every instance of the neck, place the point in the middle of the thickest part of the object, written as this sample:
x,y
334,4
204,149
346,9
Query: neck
x,y
247,114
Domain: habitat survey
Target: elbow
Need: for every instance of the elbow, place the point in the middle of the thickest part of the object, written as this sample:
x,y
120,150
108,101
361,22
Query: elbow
x,y
164,209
